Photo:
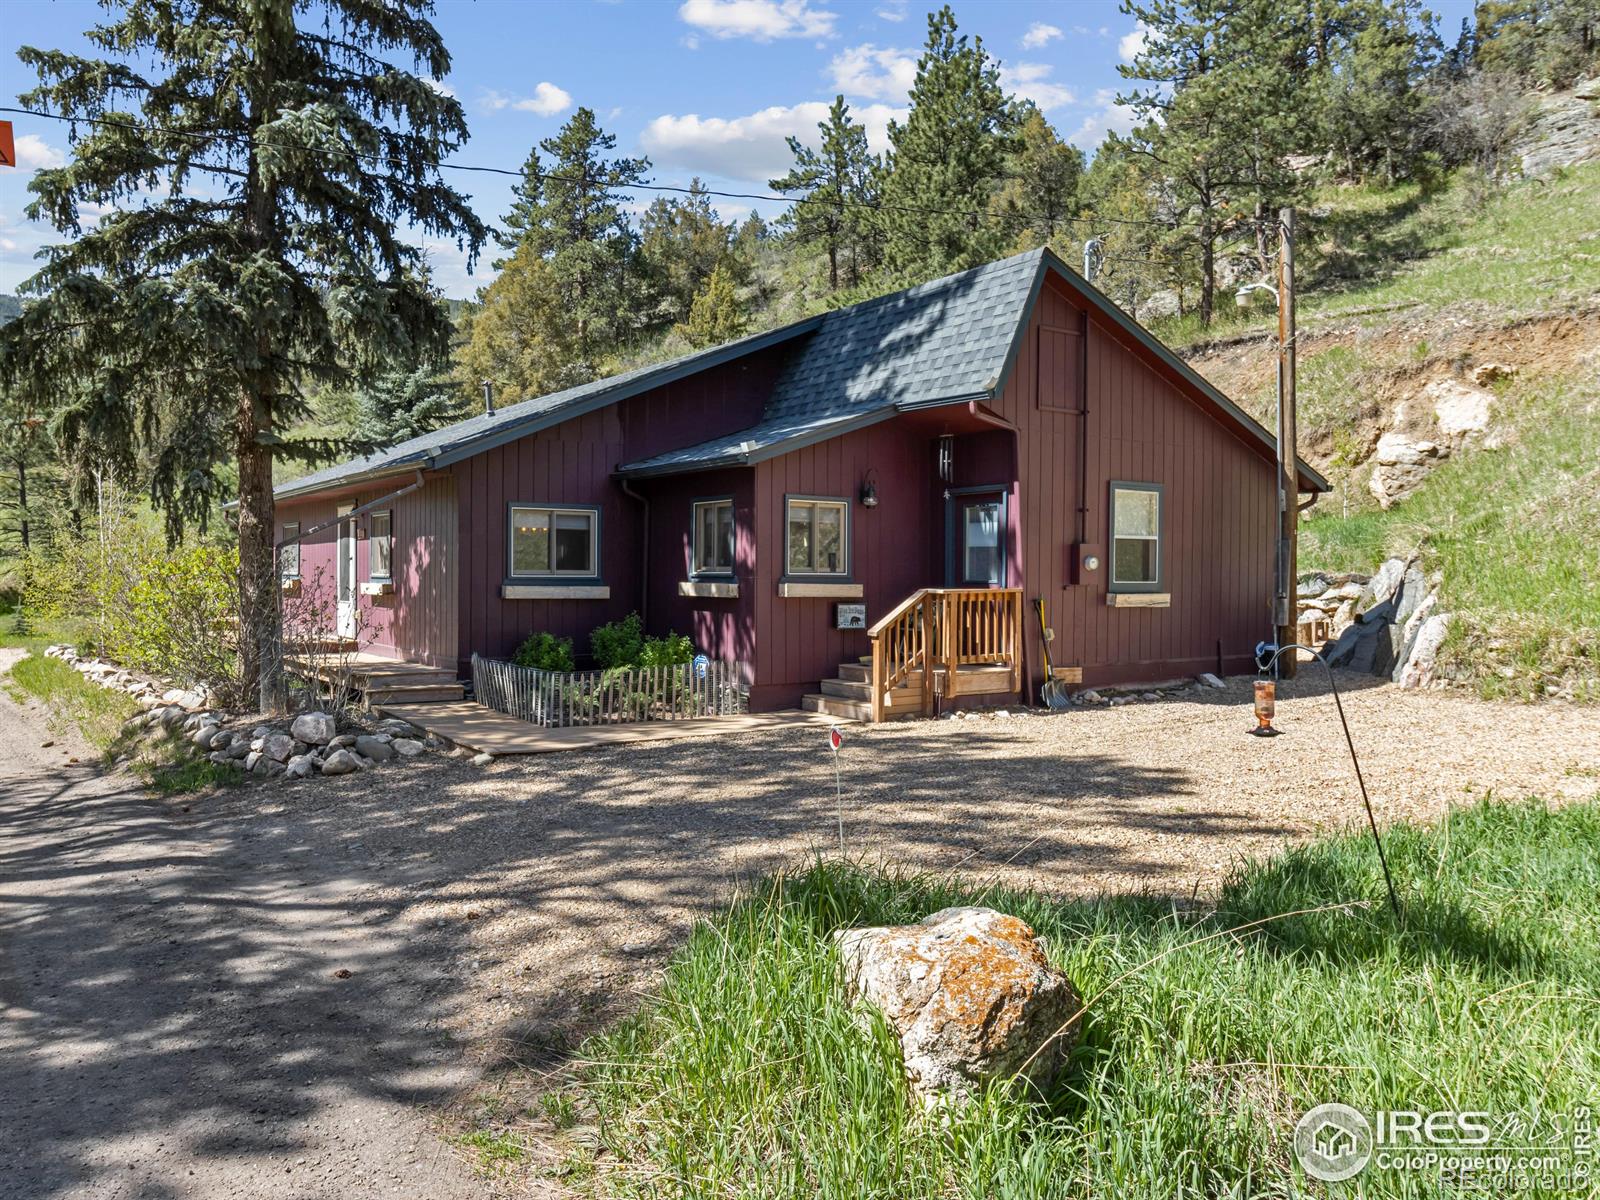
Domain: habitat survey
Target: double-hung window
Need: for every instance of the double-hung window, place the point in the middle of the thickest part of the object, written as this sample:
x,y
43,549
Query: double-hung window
x,y
713,537
818,536
1136,537
550,541
289,551
380,546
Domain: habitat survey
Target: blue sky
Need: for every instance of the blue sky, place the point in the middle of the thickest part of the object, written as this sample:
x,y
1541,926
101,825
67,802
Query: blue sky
x,y
703,87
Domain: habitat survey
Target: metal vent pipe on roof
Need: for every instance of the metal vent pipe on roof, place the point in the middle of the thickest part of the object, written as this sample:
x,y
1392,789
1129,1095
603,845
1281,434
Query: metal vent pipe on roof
x,y
488,397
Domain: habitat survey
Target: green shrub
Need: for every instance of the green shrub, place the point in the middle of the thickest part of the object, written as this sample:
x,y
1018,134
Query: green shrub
x,y
623,643
546,652
618,643
669,651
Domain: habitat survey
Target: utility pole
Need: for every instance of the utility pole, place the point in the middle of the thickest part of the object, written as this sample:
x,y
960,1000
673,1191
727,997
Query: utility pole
x,y
1286,600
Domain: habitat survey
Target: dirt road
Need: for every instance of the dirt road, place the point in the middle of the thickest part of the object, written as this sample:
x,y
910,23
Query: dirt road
x,y
174,1021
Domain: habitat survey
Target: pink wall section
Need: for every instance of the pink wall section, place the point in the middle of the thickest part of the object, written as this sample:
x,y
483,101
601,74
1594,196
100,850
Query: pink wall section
x,y
418,621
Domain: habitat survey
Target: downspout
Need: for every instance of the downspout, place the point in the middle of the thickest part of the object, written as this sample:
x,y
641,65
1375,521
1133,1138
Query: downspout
x,y
1083,430
644,551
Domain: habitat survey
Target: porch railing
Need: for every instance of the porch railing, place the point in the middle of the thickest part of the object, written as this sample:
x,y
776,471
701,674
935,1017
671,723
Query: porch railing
x,y
927,638
560,699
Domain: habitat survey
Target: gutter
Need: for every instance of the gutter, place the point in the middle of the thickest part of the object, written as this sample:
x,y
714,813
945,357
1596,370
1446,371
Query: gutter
x,y
414,485
644,549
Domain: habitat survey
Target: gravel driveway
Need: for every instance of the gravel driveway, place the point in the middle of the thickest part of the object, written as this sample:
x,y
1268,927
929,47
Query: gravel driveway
x,y
564,880
171,1020
169,976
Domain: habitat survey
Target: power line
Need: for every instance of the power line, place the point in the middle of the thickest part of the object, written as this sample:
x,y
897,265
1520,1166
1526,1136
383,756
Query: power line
x,y
525,174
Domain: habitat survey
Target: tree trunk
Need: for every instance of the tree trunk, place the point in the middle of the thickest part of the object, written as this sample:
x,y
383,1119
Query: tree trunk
x,y
1208,271
22,501
260,614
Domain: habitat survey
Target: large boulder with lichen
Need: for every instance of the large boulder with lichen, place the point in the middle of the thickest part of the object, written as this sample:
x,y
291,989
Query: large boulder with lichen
x,y
970,994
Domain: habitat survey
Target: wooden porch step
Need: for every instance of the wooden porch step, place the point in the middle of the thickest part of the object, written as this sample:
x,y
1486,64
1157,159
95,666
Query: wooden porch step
x,y
847,689
837,706
413,693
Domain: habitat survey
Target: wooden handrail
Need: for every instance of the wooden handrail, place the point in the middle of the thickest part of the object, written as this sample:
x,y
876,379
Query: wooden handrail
x,y
938,629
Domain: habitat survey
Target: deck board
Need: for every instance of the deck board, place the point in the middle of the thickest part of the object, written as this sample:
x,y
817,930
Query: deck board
x,y
489,732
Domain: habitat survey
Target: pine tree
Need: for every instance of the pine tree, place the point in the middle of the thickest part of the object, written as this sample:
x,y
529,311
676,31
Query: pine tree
x,y
835,186
716,316
569,209
1041,192
682,242
946,160
520,338
1226,108
260,166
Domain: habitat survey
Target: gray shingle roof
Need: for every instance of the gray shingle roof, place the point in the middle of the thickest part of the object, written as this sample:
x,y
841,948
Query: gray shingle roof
x,y
472,436
938,342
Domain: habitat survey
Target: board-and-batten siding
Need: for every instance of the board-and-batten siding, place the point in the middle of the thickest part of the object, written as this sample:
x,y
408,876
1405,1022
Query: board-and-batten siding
x,y
418,621
1142,427
572,463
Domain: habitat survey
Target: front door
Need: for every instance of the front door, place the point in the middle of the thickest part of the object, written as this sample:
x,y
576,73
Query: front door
x,y
976,538
346,567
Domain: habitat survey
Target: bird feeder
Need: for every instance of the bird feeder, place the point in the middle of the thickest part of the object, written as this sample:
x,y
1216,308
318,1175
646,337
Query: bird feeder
x,y
1266,708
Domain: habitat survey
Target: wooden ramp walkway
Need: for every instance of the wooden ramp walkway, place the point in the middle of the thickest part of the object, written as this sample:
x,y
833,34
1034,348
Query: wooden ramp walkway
x,y
489,732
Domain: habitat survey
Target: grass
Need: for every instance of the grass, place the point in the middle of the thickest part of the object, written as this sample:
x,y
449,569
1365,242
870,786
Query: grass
x,y
1516,533
98,713
175,770
749,1076
1528,246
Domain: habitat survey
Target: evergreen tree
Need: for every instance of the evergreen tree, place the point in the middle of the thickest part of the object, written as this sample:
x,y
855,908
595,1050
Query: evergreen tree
x,y
1370,59
682,241
945,161
284,154
521,339
1225,110
402,404
716,316
1545,42
569,209
1041,192
835,186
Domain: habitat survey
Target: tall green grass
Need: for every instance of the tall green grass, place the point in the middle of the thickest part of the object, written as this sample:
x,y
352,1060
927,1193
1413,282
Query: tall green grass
x,y
1516,533
97,713
749,1076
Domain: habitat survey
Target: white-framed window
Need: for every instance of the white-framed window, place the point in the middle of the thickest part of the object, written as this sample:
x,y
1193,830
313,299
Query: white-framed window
x,y
713,537
816,541
547,541
380,546
1136,537
289,551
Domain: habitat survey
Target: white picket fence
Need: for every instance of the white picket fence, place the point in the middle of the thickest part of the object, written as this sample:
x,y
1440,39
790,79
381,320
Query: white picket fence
x,y
560,699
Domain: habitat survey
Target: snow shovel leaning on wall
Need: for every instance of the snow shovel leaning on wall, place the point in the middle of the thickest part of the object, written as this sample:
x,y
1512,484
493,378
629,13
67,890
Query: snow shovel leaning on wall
x,y
1053,693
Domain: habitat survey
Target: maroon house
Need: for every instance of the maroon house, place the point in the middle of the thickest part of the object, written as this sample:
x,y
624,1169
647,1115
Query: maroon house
x,y
1007,427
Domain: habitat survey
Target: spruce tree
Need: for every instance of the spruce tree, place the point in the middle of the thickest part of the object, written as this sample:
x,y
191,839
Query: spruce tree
x,y
682,241
569,209
946,160
262,158
835,186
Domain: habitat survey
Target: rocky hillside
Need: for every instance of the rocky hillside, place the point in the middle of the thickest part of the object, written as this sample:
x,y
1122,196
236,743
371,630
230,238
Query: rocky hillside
x,y
1450,387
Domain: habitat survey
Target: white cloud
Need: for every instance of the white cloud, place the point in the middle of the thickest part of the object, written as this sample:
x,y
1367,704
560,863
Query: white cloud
x,y
752,148
1130,44
444,89
547,100
894,11
1031,81
762,20
877,74
1109,117
1039,34
33,152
